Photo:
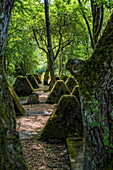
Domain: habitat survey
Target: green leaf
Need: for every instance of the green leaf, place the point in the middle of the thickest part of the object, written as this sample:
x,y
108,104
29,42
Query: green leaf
x,y
95,124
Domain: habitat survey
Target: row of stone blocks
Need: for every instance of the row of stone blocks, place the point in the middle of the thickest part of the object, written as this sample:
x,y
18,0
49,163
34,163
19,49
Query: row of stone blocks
x,y
24,86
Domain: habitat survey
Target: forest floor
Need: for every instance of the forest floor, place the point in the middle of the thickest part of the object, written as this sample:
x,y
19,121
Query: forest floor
x,y
39,154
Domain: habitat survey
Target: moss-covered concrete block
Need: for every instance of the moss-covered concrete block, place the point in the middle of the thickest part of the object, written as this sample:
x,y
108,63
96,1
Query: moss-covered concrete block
x,y
65,121
71,83
37,77
56,78
75,92
22,86
19,110
57,91
63,77
33,99
33,81
75,150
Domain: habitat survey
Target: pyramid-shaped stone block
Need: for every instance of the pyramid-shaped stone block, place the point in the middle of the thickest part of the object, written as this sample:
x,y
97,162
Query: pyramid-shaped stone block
x,y
63,77
33,81
65,121
37,77
71,83
22,86
75,92
57,91
19,110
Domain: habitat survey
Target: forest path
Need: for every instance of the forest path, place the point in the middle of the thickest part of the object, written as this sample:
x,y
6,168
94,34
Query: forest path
x,y
39,154
36,115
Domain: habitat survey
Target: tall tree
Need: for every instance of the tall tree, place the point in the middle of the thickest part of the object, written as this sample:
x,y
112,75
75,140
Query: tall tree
x,y
97,20
11,156
95,78
50,51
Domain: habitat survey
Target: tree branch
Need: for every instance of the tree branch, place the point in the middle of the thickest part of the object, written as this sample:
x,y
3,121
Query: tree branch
x,y
34,33
100,24
87,23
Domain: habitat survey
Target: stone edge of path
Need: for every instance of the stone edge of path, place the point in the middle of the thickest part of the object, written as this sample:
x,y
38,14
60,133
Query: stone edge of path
x,y
75,151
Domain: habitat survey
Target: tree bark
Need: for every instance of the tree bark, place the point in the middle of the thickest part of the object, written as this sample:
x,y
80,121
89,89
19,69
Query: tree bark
x,y
11,156
50,51
95,78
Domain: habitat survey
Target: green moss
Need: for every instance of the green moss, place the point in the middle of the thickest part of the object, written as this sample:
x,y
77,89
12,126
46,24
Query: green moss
x,y
57,91
65,120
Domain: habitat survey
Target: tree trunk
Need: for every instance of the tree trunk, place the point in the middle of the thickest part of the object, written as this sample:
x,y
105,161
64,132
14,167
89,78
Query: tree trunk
x,y
46,76
50,51
95,78
97,15
11,156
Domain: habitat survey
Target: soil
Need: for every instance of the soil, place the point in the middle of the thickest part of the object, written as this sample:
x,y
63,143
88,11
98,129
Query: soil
x,y
39,154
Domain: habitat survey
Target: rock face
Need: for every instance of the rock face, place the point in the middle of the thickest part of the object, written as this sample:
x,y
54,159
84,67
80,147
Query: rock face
x,y
37,77
71,83
57,91
22,86
33,81
65,121
33,99
95,78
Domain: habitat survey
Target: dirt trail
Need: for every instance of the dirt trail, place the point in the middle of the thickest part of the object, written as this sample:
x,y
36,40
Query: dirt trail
x,y
40,155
